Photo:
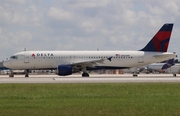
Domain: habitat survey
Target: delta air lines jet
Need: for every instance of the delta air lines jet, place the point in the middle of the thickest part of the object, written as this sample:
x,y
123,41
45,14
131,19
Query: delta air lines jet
x,y
68,62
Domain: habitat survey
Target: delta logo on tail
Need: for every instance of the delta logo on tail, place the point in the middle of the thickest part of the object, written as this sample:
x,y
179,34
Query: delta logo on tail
x,y
160,41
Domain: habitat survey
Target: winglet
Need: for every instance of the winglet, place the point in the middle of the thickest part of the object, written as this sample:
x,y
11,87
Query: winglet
x,y
160,42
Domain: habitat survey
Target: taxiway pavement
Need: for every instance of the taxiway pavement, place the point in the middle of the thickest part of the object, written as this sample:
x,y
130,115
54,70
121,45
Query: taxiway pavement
x,y
124,78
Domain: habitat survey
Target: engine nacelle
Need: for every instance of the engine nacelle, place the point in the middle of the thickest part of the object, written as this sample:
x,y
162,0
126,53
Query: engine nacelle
x,y
64,70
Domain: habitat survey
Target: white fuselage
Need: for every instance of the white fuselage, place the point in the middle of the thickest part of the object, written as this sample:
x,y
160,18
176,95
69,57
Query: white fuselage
x,y
158,66
51,59
155,66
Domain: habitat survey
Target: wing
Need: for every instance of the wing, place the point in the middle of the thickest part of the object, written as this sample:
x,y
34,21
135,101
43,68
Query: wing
x,y
78,66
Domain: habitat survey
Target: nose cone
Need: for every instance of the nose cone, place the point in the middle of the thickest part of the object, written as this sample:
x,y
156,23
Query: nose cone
x,y
6,64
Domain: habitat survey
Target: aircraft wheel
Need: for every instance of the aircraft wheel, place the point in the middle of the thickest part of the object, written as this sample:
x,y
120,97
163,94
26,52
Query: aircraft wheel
x,y
174,74
135,75
85,75
11,75
27,73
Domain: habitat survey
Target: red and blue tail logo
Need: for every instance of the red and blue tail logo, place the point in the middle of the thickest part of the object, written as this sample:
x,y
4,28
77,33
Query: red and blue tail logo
x,y
160,42
168,64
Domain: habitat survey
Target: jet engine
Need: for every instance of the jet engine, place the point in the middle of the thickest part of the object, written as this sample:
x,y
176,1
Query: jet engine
x,y
63,70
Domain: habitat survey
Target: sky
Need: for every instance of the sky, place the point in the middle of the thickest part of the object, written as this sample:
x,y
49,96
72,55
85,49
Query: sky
x,y
85,24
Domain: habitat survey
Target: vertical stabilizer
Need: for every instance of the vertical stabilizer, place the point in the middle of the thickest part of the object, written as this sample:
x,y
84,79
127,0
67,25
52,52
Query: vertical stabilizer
x,y
160,42
168,64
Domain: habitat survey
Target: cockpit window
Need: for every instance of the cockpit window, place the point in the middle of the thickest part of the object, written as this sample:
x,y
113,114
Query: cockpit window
x,y
13,57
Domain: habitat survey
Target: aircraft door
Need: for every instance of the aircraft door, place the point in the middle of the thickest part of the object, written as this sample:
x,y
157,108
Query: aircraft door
x,y
26,57
140,57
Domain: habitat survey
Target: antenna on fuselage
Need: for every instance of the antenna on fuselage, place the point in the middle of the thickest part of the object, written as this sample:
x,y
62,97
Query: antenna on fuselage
x,y
24,49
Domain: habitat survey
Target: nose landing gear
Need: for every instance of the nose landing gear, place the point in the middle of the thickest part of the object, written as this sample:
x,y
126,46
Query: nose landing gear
x,y
11,74
27,73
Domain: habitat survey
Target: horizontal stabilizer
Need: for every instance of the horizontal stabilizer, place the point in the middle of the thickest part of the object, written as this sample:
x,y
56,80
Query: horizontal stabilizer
x,y
162,55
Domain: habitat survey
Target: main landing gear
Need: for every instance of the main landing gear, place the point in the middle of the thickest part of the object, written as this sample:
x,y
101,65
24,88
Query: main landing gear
x,y
135,74
85,74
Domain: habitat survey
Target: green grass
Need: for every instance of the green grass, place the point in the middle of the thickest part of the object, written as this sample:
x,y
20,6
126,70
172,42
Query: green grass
x,y
136,99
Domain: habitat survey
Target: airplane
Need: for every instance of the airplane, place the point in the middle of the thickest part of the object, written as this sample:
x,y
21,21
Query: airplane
x,y
68,62
174,69
161,66
152,67
169,66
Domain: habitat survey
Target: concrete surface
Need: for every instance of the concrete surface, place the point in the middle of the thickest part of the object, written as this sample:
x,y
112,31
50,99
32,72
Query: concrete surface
x,y
124,78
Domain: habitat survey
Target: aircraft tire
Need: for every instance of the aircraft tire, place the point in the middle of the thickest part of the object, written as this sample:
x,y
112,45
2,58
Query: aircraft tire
x,y
85,75
11,75
135,75
174,74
